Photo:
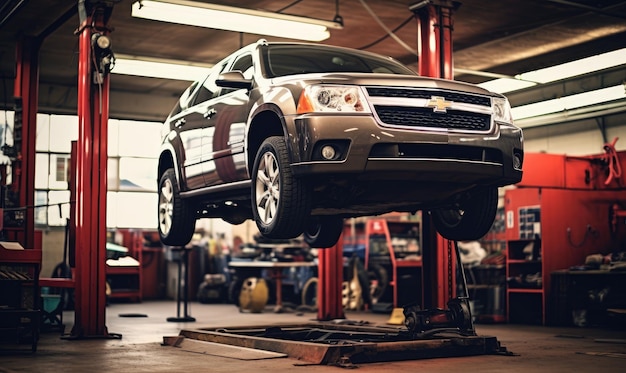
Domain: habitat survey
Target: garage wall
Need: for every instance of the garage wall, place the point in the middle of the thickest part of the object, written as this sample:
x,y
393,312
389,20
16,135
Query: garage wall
x,y
576,138
52,246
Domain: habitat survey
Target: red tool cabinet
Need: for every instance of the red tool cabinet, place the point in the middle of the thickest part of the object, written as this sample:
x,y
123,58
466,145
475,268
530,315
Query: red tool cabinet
x,y
557,216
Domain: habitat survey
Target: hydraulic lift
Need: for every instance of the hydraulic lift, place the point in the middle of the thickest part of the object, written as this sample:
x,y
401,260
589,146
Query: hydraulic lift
x,y
443,329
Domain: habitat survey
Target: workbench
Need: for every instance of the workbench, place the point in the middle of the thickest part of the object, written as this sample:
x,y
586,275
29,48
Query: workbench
x,y
583,297
253,269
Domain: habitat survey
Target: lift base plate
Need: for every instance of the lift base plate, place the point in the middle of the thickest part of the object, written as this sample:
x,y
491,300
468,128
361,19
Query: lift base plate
x,y
340,344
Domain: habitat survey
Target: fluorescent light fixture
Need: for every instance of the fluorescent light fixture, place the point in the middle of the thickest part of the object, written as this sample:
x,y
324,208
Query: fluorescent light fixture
x,y
234,19
569,102
158,68
503,85
558,72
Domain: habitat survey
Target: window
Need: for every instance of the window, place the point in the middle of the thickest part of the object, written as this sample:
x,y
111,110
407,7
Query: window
x,y
131,171
183,102
289,60
208,89
243,64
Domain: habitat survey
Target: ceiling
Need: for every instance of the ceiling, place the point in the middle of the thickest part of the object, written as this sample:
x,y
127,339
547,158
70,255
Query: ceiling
x,y
490,37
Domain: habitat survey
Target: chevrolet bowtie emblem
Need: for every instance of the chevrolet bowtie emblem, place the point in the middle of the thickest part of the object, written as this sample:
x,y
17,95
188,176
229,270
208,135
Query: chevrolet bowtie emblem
x,y
439,104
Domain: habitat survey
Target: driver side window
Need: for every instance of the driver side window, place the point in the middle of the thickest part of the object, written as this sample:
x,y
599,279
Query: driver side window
x,y
209,89
243,64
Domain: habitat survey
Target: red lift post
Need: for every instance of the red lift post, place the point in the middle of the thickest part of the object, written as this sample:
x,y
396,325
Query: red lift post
x,y
330,275
26,92
91,178
434,38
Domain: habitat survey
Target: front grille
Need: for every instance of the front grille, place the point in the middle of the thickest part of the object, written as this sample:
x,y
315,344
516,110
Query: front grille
x,y
426,117
428,94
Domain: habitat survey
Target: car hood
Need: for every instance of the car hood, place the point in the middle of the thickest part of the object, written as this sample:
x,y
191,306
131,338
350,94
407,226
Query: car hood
x,y
394,80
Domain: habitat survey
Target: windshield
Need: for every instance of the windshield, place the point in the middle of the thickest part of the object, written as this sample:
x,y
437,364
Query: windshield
x,y
283,60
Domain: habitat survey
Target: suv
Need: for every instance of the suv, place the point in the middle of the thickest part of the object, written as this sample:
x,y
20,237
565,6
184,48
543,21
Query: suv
x,y
300,136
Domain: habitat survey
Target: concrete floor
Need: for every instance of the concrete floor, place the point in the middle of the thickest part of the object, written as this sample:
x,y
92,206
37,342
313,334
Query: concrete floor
x,y
535,348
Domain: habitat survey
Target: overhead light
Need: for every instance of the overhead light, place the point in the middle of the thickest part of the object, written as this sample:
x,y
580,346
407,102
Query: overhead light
x,y
158,68
503,85
558,72
234,19
566,103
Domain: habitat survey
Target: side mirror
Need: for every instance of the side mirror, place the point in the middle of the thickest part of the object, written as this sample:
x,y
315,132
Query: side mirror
x,y
233,79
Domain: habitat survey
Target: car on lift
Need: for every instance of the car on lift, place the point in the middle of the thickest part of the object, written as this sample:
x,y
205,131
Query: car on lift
x,y
300,136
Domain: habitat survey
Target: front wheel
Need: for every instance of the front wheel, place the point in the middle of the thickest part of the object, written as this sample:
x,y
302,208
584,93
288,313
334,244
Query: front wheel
x,y
470,217
176,219
281,202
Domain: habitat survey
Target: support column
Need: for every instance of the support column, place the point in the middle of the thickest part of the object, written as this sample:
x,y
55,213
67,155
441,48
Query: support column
x,y
434,38
91,175
330,279
26,92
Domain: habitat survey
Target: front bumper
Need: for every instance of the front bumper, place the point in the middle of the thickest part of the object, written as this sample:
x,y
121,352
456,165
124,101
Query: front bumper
x,y
374,152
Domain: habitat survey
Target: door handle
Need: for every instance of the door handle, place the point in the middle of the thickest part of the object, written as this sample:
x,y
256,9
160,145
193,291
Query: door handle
x,y
210,113
179,123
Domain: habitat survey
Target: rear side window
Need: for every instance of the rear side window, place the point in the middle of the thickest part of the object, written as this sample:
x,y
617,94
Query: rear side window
x,y
183,102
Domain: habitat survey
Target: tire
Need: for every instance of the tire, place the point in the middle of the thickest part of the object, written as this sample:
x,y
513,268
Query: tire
x,y
281,202
234,289
176,218
470,218
309,293
323,232
378,282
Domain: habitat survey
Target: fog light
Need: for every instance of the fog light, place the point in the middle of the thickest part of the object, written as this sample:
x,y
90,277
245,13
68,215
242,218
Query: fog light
x,y
328,152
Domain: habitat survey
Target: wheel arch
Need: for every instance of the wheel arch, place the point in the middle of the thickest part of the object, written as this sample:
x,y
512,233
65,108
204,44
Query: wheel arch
x,y
166,161
267,122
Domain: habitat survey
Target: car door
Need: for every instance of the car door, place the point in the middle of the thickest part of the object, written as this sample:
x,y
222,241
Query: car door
x,y
195,125
188,140
223,142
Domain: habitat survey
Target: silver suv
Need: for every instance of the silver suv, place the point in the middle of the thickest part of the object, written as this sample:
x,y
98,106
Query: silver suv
x,y
300,136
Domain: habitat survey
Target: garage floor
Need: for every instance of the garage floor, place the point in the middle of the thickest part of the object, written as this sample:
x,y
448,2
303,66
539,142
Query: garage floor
x,y
534,348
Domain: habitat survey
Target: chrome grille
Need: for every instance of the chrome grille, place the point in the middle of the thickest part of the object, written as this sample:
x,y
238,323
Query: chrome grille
x,y
427,94
425,117
412,107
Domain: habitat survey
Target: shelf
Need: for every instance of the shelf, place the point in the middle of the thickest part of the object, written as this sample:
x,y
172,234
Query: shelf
x,y
522,261
525,290
19,295
112,270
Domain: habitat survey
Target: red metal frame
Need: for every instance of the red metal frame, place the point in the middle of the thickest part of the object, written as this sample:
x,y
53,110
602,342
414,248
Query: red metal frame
x,y
26,89
91,182
381,226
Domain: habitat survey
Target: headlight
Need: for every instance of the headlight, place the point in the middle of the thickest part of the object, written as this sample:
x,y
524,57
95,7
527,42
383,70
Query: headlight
x,y
332,98
501,110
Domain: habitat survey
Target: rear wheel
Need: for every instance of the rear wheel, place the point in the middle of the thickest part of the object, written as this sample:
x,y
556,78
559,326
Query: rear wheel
x,y
176,219
470,217
281,201
323,231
